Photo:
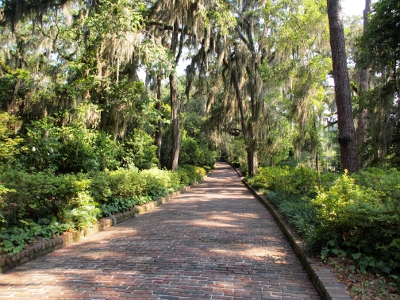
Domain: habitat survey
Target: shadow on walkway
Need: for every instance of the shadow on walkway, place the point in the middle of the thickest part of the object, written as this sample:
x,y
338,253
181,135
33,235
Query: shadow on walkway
x,y
214,241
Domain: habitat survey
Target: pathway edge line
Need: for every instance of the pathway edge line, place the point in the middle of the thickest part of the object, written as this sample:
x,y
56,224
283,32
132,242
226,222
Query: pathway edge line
x,y
323,279
43,247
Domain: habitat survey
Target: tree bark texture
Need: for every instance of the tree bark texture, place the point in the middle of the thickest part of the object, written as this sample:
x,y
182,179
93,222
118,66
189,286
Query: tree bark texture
x,y
176,132
159,132
175,125
252,159
247,129
347,138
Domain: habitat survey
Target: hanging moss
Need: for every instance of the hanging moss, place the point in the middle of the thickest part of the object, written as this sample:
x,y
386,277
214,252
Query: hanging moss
x,y
16,10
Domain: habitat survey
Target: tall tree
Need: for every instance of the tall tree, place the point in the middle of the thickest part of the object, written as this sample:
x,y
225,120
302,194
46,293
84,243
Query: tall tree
x,y
272,65
173,18
363,89
347,138
381,53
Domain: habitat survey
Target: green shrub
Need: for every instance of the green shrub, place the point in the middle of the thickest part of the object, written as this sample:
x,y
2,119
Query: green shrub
x,y
40,204
286,180
126,184
36,197
158,182
366,226
82,212
42,145
196,154
10,142
356,216
299,181
15,238
117,205
139,150
179,179
194,173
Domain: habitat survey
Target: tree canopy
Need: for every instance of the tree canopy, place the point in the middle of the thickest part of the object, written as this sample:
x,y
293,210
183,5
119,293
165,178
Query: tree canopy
x,y
258,76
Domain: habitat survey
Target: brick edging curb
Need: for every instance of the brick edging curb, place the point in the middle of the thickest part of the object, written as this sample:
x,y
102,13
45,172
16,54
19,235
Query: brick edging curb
x,y
43,247
323,279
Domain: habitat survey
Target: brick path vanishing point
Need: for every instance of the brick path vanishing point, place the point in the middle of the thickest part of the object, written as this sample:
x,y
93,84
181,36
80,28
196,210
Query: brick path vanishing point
x,y
215,241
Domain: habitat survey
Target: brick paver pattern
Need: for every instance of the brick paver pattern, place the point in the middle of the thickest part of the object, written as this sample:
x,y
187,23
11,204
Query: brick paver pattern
x,y
215,241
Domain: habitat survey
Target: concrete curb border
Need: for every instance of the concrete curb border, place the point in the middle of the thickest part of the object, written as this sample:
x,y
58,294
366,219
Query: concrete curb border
x,y
323,279
43,247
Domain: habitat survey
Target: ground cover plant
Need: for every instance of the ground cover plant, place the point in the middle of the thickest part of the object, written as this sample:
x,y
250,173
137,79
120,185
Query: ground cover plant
x,y
350,221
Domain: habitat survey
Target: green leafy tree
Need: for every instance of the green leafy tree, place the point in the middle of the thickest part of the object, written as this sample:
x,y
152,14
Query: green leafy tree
x,y
380,54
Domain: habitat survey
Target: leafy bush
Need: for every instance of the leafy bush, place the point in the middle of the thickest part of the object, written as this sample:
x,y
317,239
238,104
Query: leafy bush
x,y
70,148
194,173
290,181
10,142
365,220
15,238
139,150
158,182
356,216
196,154
235,153
42,145
85,150
82,213
41,205
117,205
117,191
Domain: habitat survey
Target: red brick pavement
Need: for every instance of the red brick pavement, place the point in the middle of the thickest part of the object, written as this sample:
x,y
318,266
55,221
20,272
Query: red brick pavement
x,y
215,241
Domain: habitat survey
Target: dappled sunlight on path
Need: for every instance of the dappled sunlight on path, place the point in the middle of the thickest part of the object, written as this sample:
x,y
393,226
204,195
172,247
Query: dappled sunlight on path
x,y
214,241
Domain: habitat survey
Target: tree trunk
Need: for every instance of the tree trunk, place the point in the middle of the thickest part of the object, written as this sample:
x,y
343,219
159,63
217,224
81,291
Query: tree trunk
x,y
159,123
364,86
347,138
176,132
175,126
251,145
252,159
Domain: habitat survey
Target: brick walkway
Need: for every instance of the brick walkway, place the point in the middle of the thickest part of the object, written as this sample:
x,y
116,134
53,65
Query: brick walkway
x,y
213,242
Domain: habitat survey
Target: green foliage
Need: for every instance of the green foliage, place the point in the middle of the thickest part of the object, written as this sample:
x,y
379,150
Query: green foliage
x,y
86,150
353,216
15,238
139,150
42,146
42,205
42,195
219,16
235,153
286,180
82,212
14,86
9,141
193,153
119,184
118,205
158,182
71,148
194,173
382,35
363,212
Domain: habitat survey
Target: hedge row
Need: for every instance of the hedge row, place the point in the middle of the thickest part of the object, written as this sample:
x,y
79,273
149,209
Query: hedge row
x,y
41,204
